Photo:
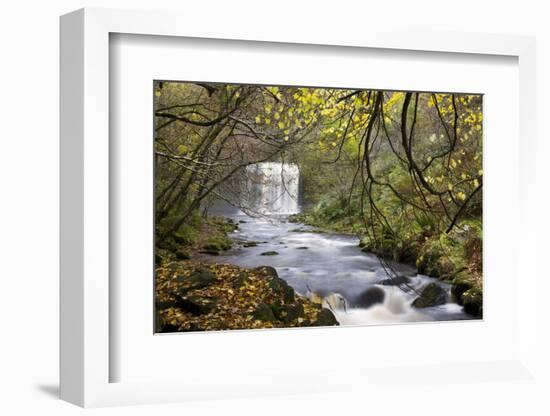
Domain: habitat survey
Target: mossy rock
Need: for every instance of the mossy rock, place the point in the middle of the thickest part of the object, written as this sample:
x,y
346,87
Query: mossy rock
x,y
441,257
217,244
325,317
364,242
282,288
288,313
432,295
199,279
264,313
460,286
270,253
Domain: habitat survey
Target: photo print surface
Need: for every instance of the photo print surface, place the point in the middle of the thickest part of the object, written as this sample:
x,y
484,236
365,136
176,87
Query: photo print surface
x,y
285,207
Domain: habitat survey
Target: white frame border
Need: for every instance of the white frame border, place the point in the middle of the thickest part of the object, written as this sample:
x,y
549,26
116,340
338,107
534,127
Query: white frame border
x,y
84,183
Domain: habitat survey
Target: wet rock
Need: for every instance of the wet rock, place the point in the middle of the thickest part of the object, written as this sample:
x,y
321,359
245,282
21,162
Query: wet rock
x,y
432,295
264,313
371,296
302,248
395,281
335,301
270,253
325,318
242,221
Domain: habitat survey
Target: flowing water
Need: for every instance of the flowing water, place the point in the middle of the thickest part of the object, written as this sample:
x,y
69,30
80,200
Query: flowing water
x,y
326,265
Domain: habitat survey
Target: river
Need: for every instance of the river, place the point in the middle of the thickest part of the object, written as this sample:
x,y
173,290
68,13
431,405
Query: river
x,y
323,264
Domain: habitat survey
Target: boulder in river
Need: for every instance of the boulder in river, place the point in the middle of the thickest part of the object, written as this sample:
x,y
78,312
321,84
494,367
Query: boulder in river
x,y
432,295
303,248
371,296
270,253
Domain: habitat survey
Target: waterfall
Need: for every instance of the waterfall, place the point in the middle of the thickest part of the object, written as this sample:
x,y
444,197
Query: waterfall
x,y
273,188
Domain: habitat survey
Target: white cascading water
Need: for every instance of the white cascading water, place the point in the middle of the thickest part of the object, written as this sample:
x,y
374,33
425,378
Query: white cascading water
x,y
273,187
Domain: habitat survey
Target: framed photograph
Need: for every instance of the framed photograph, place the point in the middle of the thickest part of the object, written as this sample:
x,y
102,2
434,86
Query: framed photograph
x,y
291,208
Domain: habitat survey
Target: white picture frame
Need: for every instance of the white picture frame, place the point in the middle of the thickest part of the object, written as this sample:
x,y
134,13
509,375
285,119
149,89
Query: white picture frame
x,y
85,217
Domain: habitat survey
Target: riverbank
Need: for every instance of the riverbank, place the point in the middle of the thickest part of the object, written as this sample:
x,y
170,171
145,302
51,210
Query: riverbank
x,y
197,296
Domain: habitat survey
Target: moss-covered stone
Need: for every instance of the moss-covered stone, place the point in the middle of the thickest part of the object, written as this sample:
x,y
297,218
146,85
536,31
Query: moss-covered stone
x,y
460,286
432,295
264,313
288,312
280,286
198,279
